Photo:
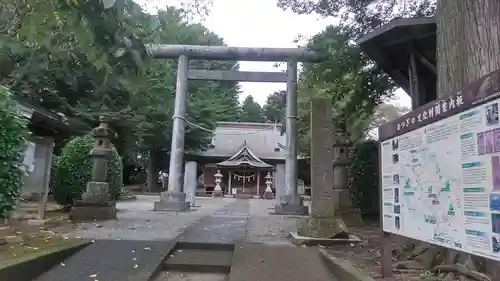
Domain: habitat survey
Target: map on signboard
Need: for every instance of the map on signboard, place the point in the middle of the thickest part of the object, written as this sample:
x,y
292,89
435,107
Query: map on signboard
x,y
431,192
440,179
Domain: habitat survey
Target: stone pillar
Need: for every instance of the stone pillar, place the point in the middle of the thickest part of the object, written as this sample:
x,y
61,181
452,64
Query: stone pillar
x,y
279,182
291,203
258,184
229,180
341,162
190,182
174,199
96,203
323,222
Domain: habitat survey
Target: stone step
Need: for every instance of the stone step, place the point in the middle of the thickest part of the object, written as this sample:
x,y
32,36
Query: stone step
x,y
199,260
187,276
255,261
112,260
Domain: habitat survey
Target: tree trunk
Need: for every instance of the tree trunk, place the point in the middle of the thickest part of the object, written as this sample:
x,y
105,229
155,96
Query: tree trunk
x,y
468,42
468,47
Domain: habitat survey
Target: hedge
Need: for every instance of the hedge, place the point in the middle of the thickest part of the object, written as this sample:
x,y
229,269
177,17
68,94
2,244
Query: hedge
x,y
364,177
13,133
73,170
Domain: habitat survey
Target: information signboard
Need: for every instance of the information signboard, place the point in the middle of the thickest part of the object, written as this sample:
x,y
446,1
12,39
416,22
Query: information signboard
x,y
440,171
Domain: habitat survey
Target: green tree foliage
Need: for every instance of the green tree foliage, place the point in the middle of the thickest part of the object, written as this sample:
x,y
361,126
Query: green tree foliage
x,y
360,16
12,143
74,170
251,111
274,109
364,177
355,86
84,76
153,104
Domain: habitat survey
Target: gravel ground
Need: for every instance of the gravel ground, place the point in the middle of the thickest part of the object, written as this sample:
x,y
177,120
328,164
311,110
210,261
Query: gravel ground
x,y
137,220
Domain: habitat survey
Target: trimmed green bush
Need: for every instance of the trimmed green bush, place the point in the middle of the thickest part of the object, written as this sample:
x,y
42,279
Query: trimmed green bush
x,y
364,177
13,132
74,170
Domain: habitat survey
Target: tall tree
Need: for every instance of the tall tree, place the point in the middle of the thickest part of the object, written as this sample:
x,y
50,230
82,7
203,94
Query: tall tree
x,y
354,85
274,109
361,16
251,111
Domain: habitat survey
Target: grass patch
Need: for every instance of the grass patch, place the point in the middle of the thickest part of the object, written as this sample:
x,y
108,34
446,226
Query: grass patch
x,y
17,252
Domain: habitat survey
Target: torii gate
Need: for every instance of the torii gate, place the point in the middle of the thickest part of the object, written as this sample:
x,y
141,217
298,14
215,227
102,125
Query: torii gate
x,y
174,199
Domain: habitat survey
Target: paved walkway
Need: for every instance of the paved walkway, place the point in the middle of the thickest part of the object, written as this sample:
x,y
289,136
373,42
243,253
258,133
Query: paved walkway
x,y
255,245
137,221
227,225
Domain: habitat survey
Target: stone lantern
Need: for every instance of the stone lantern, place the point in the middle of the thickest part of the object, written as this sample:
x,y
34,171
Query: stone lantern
x,y
217,190
341,162
96,203
268,193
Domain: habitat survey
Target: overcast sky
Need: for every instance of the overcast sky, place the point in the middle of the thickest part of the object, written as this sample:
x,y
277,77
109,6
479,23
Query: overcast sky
x,y
260,23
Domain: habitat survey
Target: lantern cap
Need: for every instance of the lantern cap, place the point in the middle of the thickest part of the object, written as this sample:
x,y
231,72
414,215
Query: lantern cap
x,y
218,174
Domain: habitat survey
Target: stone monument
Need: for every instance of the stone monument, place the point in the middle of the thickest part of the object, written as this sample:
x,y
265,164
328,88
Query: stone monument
x,y
217,190
190,181
96,203
344,207
323,222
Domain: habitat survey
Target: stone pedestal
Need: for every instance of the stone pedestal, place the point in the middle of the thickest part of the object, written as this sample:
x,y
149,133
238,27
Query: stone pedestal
x,y
172,202
268,194
289,206
323,228
345,210
93,211
217,192
95,204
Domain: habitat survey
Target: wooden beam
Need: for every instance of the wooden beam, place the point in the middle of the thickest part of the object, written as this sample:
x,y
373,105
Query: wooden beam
x,y
240,76
426,62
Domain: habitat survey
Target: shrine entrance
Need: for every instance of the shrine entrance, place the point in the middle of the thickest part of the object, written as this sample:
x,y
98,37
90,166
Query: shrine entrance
x,y
175,198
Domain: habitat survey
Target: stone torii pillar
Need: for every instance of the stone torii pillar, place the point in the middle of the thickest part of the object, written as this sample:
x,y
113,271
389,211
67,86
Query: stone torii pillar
x,y
291,202
174,199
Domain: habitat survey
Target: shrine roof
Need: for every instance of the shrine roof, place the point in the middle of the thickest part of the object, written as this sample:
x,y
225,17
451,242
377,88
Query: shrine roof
x,y
263,139
244,158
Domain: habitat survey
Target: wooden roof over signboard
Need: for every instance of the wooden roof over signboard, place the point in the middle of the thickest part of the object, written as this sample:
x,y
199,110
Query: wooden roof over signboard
x,y
390,47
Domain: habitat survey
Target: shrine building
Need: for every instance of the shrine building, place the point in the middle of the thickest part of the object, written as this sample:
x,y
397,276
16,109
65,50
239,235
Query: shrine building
x,y
246,155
